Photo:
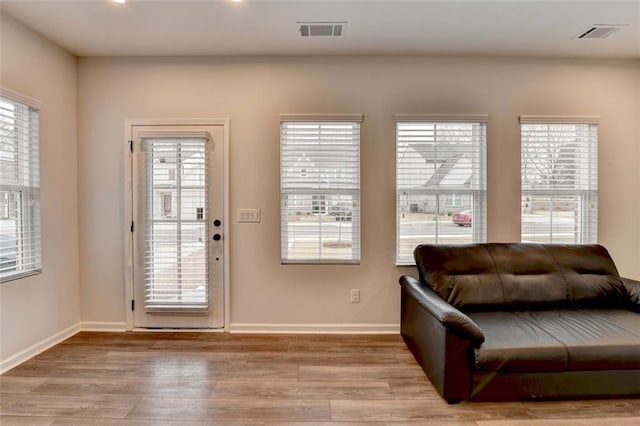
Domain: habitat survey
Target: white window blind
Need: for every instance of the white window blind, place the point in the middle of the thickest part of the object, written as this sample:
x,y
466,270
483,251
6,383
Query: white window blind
x,y
440,181
176,262
559,179
320,189
20,253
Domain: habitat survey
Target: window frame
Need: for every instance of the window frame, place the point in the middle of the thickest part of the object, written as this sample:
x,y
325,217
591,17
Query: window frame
x,y
28,204
479,195
320,196
586,224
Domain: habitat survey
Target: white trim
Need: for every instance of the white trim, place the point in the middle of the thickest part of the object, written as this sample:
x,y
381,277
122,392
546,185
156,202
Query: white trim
x,y
315,328
442,118
19,97
38,348
128,217
226,218
103,326
559,119
322,117
128,205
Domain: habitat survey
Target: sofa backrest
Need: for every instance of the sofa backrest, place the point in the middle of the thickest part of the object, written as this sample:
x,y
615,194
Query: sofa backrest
x,y
520,275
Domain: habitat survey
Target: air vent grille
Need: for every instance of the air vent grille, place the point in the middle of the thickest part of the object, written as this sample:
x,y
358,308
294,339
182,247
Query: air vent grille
x,y
321,29
599,31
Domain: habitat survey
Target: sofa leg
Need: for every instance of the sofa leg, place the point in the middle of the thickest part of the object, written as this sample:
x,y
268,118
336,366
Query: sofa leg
x,y
454,400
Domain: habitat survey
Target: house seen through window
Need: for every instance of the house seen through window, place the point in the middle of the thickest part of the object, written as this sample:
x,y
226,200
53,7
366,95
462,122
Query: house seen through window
x,y
320,189
441,182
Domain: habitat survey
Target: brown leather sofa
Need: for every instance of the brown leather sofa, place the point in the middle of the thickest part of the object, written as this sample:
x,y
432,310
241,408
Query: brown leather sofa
x,y
521,321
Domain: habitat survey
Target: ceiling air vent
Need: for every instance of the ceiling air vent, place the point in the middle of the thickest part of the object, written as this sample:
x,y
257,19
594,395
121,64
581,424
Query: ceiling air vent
x,y
321,29
599,31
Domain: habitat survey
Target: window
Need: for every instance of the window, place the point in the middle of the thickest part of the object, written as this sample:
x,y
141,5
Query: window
x,y
320,189
19,187
559,179
440,181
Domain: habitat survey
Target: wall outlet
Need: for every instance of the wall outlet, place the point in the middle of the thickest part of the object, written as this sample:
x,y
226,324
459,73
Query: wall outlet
x,y
248,215
355,295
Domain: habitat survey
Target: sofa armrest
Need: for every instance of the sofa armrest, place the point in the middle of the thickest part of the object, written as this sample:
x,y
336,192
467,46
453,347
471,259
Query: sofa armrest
x,y
633,292
446,314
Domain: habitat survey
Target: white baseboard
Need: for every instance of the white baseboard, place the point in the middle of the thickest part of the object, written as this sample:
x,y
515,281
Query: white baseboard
x,y
102,326
315,328
30,352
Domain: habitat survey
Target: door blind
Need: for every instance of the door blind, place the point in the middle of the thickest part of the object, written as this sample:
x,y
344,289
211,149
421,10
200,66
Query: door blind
x,y
176,225
441,183
20,251
559,181
320,191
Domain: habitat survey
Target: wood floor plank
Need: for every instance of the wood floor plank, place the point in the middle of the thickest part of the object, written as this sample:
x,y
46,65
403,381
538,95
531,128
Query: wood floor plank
x,y
10,384
172,357
135,422
196,370
584,409
38,368
27,421
301,390
363,348
406,358
215,346
232,410
413,388
71,353
425,409
65,406
358,373
323,358
134,387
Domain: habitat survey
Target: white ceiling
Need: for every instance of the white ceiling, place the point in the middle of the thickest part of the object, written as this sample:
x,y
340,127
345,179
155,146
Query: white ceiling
x,y
268,27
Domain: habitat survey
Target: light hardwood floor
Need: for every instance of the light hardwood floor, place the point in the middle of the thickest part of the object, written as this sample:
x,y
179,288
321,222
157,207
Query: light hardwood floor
x,y
214,378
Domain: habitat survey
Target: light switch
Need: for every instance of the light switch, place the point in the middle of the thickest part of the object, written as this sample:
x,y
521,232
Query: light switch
x,y
248,215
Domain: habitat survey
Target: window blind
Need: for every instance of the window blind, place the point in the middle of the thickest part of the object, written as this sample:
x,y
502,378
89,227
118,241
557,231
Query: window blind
x,y
440,181
176,212
320,190
559,179
20,245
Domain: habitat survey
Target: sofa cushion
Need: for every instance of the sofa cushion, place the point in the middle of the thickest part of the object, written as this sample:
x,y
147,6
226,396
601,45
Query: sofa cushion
x,y
592,277
521,276
514,344
461,275
556,340
595,339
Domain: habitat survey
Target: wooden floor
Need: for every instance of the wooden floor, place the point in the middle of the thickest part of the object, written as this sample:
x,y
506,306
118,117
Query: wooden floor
x,y
214,378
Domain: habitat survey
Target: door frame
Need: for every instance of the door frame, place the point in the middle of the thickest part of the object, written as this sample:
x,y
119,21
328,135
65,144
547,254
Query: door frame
x,y
128,207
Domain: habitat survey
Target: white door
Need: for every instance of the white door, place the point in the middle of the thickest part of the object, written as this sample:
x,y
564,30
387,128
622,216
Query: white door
x,y
177,226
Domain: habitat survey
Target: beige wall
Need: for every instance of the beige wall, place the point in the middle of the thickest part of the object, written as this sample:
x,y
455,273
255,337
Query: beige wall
x,y
252,92
35,308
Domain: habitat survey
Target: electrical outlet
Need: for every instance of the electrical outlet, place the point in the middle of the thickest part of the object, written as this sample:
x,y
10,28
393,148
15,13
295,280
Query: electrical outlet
x,y
248,215
355,295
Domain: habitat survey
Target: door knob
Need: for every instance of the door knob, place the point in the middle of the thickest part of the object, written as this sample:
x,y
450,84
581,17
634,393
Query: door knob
x,y
216,237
